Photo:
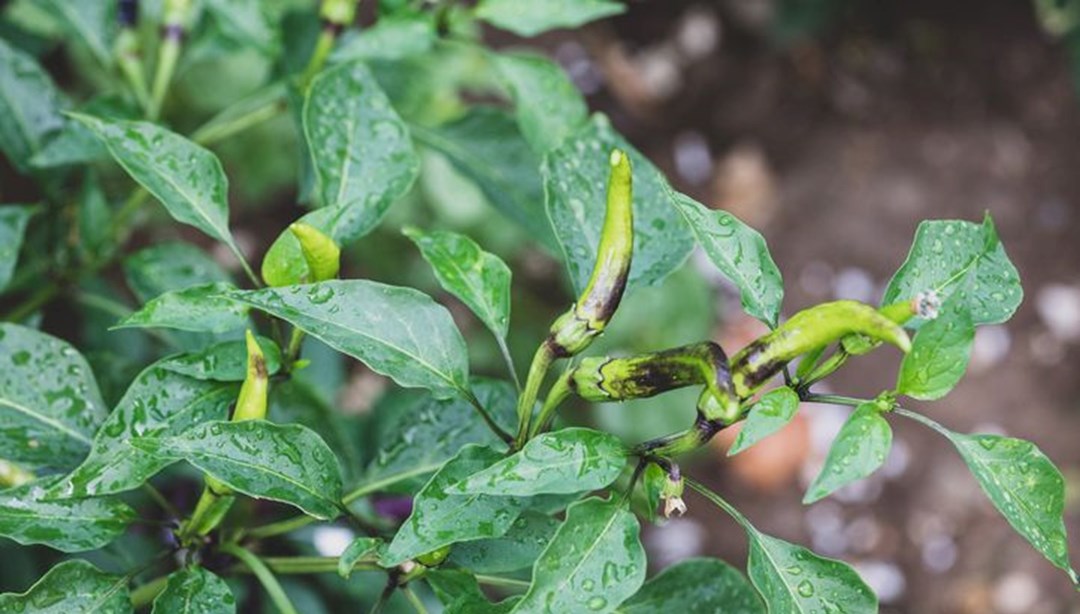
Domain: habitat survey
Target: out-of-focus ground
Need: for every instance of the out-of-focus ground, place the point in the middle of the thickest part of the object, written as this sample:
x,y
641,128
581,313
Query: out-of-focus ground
x,y
836,147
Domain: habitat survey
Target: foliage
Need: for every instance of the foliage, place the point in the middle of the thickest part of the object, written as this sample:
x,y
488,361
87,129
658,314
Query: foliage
x,y
149,429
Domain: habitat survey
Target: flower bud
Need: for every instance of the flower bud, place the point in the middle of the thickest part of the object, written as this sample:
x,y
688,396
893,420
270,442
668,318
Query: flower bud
x,y
574,331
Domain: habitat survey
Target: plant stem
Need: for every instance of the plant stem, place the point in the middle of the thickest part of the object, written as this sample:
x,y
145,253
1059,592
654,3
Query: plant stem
x,y
719,502
384,596
265,576
315,564
176,14
414,600
247,113
281,527
491,424
296,339
907,413
144,594
537,371
160,499
834,399
323,46
509,360
558,393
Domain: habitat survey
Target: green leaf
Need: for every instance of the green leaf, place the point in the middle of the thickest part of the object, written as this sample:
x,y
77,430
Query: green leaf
x,y
439,519
284,263
963,258
390,38
185,177
75,143
696,585
548,106
740,253
288,463
461,594
567,461
196,309
297,401
480,279
194,590
156,270
399,332
859,449
13,220
29,106
358,549
223,362
575,178
794,580
69,526
1024,485
594,562
50,406
158,403
90,22
528,18
363,156
486,146
94,221
72,587
247,23
517,549
770,414
422,433
939,355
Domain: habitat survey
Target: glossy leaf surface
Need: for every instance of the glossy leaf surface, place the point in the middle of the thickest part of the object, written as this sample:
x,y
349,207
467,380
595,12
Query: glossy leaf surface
x,y
696,585
861,446
770,414
194,590
72,586
69,526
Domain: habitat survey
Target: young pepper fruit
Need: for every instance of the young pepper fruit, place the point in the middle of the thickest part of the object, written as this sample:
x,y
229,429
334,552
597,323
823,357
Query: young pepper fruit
x,y
575,330
251,404
321,253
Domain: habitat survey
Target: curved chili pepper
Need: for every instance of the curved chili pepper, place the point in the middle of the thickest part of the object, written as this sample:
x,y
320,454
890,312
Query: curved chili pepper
x,y
252,400
805,332
574,330
321,253
646,375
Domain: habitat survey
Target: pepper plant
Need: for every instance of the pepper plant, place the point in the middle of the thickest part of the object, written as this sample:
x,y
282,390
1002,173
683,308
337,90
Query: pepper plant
x,y
198,481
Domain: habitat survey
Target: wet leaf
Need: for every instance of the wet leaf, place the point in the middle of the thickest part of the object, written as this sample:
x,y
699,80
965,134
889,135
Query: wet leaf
x,y
29,106
548,106
770,414
859,449
517,549
939,355
186,178
486,146
158,403
69,526
529,18
439,519
422,433
567,461
575,178
194,590
696,585
287,463
480,279
92,23
794,580
50,405
1025,486
297,401
363,156
400,332
358,549
223,362
390,38
957,257
740,253
594,562
247,23
198,309
461,594
13,220
72,587
162,268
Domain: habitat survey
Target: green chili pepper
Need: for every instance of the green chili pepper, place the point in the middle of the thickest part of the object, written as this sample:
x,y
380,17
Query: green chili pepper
x,y
646,375
575,330
321,253
805,332
251,403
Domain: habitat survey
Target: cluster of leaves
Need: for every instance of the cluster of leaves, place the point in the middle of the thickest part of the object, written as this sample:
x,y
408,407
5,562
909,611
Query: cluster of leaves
x,y
553,526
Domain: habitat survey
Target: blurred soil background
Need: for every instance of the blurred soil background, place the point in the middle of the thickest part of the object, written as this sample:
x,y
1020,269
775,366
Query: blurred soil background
x,y
834,128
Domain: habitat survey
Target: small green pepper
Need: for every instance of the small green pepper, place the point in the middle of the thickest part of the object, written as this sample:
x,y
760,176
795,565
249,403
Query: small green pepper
x,y
251,403
321,253
805,332
575,330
